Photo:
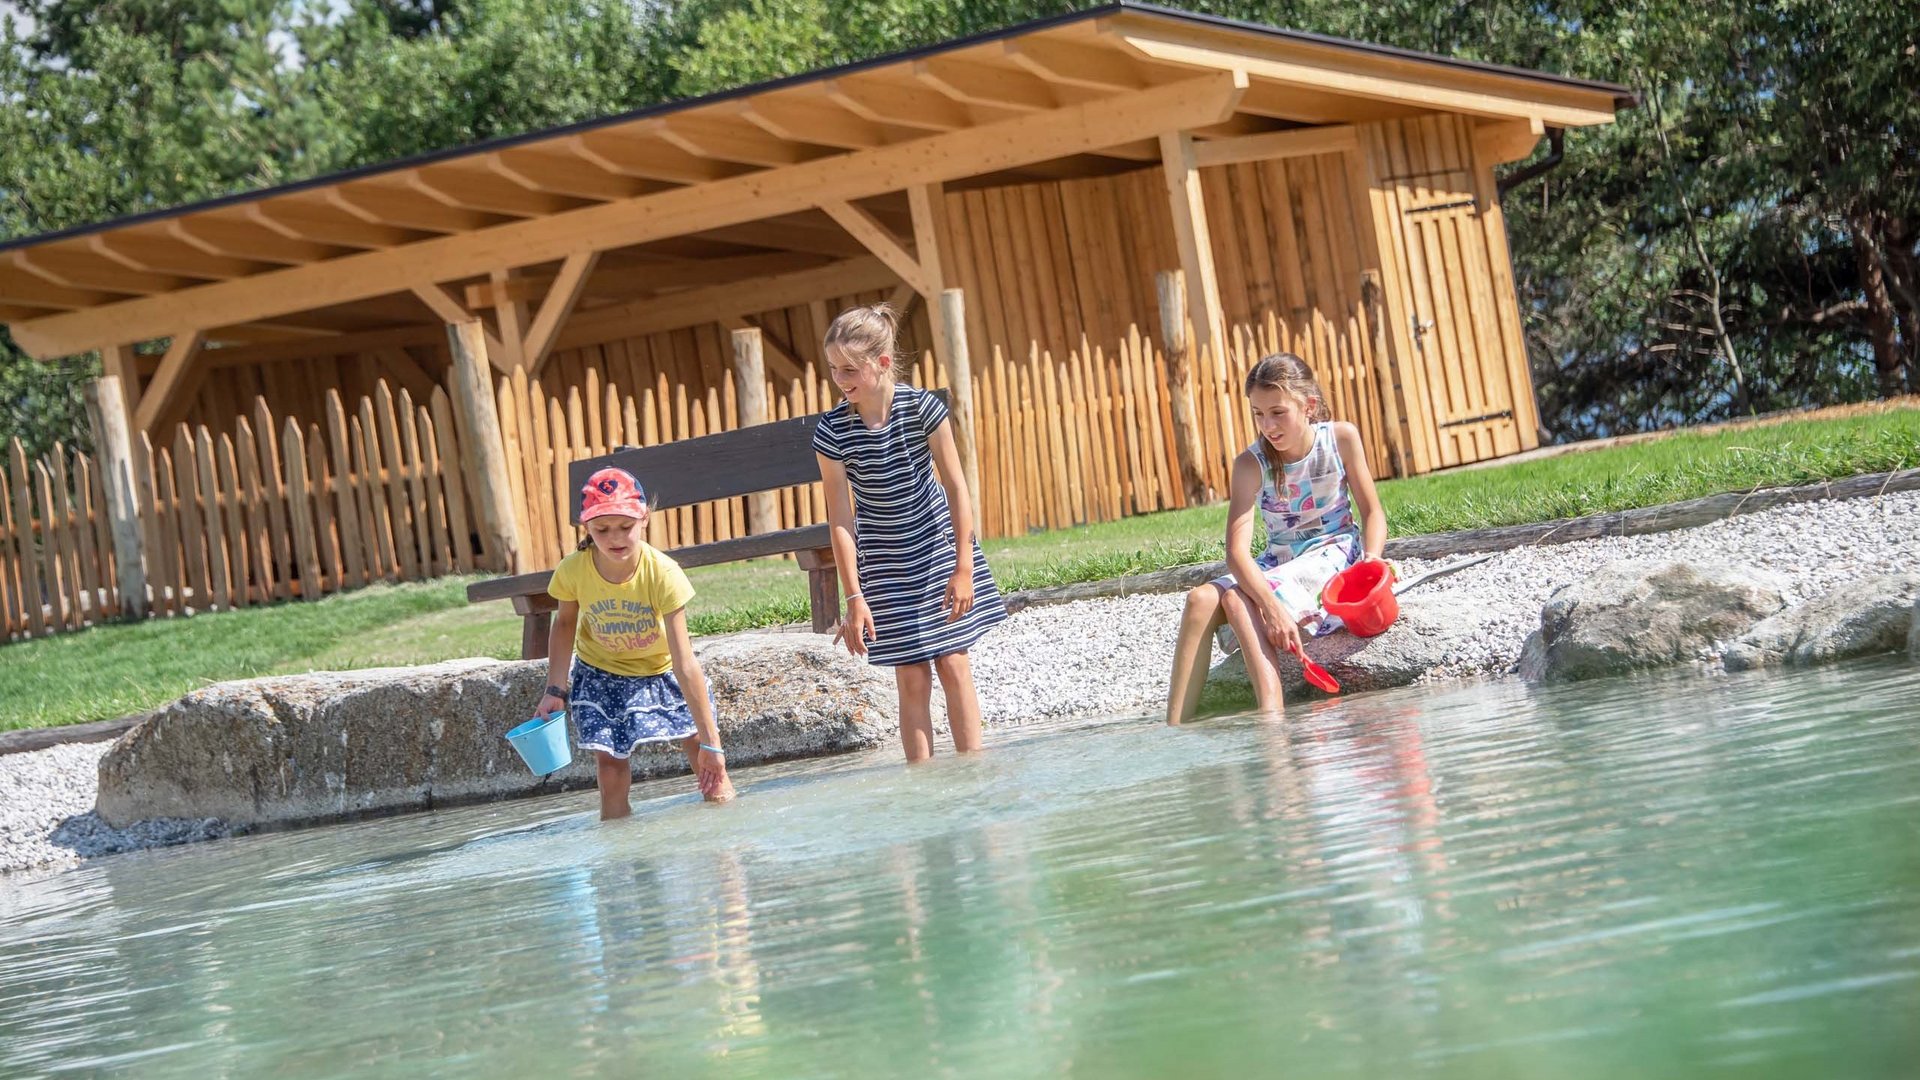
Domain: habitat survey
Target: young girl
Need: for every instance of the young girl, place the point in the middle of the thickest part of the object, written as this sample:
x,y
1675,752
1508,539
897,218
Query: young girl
x,y
1308,475
623,623
918,591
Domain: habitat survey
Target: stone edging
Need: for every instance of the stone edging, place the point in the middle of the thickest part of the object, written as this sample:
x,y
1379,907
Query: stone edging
x,y
26,739
1652,519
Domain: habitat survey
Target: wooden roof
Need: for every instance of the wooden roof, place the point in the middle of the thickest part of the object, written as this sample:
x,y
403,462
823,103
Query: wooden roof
x,y
769,183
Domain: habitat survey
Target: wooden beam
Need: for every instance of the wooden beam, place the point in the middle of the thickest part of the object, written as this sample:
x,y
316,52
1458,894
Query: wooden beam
x,y
121,364
973,83
950,323
1274,145
1193,240
724,140
511,318
465,189
27,288
1003,145
1403,81
904,104
1498,142
564,174
451,311
328,224
120,479
878,239
1071,64
166,255
77,269
240,239
711,304
381,204
750,390
817,123
633,277
646,159
162,395
559,303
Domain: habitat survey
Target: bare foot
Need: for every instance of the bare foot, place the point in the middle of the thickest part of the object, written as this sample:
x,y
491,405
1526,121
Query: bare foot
x,y
723,793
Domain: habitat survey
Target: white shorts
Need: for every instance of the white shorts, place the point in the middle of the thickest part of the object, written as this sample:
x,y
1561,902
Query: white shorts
x,y
1297,582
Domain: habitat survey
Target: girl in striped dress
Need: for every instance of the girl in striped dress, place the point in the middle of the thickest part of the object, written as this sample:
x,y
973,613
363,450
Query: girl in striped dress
x,y
918,590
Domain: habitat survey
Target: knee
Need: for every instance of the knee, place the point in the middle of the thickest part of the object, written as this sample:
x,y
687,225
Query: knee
x,y
914,678
608,764
1202,603
952,666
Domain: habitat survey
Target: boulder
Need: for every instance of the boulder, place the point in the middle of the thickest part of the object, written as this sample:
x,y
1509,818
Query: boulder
x,y
304,749
1643,614
1862,617
1913,634
1430,630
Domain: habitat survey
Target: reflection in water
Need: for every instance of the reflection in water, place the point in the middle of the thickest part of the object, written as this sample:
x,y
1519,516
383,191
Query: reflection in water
x,y
1663,876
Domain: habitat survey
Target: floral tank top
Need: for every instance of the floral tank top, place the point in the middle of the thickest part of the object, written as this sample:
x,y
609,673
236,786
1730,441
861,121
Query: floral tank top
x,y
1307,505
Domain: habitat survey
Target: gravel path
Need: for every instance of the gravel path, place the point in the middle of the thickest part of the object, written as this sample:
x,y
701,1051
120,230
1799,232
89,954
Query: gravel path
x,y
1113,655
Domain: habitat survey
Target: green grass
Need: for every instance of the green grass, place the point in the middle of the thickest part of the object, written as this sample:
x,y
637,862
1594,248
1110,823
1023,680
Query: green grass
x,y
114,670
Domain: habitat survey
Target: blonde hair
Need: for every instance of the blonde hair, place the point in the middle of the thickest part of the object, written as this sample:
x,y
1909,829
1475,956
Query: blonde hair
x,y
1289,374
865,334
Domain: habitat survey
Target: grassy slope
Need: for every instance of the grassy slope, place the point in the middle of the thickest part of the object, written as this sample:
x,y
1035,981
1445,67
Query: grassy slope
x,y
114,670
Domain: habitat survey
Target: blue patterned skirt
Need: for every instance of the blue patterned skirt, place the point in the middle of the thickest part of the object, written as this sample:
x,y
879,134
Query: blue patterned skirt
x,y
615,713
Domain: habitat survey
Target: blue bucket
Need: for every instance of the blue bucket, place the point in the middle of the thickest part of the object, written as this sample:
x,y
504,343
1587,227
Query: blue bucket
x,y
542,743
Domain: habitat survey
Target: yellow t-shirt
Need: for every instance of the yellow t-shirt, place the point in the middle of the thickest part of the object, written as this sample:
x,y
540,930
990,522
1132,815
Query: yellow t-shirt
x,y
622,626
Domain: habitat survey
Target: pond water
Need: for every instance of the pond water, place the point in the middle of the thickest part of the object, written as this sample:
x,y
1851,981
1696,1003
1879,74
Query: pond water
x,y
1679,875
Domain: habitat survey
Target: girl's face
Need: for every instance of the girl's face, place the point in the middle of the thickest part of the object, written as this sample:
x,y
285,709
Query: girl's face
x,y
858,379
618,537
1283,418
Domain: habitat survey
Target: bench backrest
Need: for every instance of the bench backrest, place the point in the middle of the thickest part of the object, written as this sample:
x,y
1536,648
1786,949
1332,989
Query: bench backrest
x,y
740,462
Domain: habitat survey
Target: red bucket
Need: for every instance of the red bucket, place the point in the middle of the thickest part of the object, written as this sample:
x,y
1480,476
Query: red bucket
x,y
1362,597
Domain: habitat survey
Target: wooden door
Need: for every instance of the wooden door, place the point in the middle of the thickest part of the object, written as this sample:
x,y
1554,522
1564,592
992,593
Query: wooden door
x,y
1453,318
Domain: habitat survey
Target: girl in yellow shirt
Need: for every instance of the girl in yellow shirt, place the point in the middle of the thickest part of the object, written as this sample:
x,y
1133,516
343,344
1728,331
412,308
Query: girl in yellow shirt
x,y
623,623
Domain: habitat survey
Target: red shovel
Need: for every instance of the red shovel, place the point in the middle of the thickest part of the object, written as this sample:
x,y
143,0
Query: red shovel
x,y
1316,674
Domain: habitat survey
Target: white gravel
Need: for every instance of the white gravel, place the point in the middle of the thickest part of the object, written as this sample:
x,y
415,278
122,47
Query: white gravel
x,y
1113,655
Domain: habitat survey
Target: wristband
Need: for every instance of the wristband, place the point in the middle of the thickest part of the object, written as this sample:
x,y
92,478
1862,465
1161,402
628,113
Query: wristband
x,y
852,596
713,750
560,692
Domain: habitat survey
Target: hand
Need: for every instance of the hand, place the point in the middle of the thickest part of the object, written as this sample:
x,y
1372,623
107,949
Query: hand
x,y
711,770
856,627
1393,569
550,705
1282,629
960,592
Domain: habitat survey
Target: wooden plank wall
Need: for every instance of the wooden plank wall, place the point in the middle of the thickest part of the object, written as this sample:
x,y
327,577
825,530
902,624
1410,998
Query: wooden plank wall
x,y
56,546
298,388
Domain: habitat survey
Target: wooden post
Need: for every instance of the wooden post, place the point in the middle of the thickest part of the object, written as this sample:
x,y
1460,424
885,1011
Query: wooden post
x,y
953,342
1194,240
750,375
113,441
473,386
1177,341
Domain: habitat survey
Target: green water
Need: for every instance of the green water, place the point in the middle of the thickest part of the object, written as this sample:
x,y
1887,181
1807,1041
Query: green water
x,y
1679,876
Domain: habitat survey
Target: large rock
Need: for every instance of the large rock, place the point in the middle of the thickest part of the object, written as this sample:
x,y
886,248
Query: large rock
x,y
1430,630
304,749
1862,617
1636,615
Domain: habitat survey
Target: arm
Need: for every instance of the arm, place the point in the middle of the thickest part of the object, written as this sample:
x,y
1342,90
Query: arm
x,y
946,463
857,628
560,654
1373,518
1282,625
711,763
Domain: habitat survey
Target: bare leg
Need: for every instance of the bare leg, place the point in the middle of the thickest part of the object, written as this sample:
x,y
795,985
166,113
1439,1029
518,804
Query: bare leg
x,y
915,684
1256,651
690,746
963,701
1192,652
616,779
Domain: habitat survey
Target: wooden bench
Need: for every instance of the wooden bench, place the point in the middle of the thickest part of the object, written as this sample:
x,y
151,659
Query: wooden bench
x,y
764,457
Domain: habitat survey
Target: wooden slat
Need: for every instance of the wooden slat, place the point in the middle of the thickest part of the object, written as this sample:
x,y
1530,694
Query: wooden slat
x,y
435,515
300,509
447,447
219,575
192,521
259,535
394,481
234,516
370,494
346,509
420,508
273,491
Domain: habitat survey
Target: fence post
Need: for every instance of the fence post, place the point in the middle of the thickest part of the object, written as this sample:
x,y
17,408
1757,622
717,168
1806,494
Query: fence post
x,y
1177,342
1385,372
113,441
750,375
953,325
473,386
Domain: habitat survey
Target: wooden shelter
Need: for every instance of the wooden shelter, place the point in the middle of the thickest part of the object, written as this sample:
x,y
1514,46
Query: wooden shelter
x,y
1339,198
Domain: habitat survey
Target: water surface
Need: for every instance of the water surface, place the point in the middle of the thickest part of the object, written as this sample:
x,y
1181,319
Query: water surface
x,y
1672,876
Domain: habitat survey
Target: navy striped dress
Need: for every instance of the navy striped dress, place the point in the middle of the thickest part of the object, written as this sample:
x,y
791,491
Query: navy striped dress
x,y
904,531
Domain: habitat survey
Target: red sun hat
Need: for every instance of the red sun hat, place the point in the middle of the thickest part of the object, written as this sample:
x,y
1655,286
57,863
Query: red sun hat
x,y
612,492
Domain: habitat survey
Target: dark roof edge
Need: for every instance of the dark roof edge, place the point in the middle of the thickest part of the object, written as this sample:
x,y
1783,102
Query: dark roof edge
x,y
1623,98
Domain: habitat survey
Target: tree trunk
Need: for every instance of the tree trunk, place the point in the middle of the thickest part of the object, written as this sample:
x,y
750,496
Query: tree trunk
x,y
1889,359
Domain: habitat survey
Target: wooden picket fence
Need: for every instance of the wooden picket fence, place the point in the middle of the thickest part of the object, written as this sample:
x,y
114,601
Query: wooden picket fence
x,y
264,512
56,550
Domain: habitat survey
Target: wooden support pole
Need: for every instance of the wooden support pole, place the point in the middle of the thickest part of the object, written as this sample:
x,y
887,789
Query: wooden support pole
x,y
750,377
473,389
113,441
120,362
1177,341
1386,373
1194,240
163,393
953,344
